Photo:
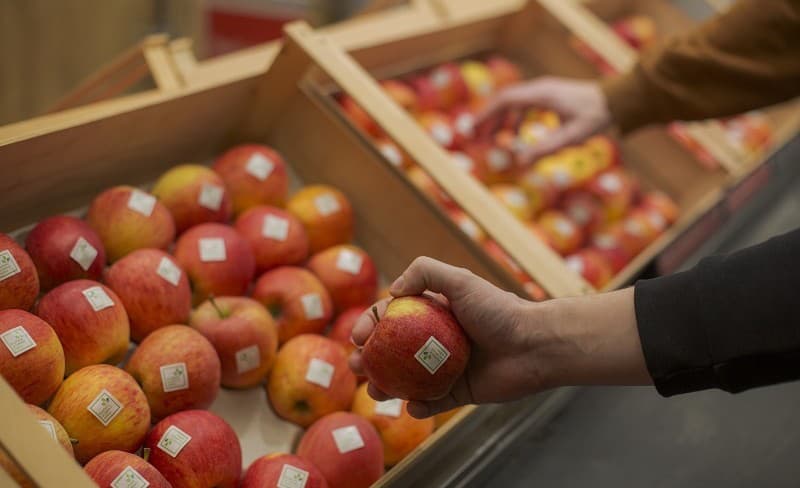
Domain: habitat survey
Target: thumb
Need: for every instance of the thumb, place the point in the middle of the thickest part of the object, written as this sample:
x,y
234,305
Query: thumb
x,y
426,273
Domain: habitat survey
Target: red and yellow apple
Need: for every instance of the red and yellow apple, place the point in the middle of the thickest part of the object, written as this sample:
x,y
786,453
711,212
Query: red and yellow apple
x,y
639,31
348,273
283,470
277,237
561,232
617,191
515,199
504,72
478,78
438,126
592,266
449,84
116,468
427,94
542,192
326,214
469,164
194,194
392,152
254,174
585,210
661,203
609,243
342,328
401,93
19,281
603,150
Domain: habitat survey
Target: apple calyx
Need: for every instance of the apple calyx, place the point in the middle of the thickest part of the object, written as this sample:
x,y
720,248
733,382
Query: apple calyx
x,y
73,441
146,454
213,302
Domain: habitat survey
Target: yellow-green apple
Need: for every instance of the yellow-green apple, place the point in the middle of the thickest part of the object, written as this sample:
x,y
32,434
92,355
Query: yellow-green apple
x,y
514,198
342,328
31,356
123,469
617,191
177,368
218,260
153,288
392,152
64,248
449,84
277,237
326,214
345,448
401,93
358,116
609,243
427,95
603,150
283,470
19,282
542,193
442,418
590,264
195,449
504,72
194,194
661,203
244,335
417,351
585,210
103,408
438,126
254,174
56,431
467,225
310,379
296,299
561,232
127,219
348,273
420,178
478,78
400,433
90,321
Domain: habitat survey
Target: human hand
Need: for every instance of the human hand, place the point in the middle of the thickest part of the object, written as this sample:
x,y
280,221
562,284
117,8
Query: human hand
x,y
581,105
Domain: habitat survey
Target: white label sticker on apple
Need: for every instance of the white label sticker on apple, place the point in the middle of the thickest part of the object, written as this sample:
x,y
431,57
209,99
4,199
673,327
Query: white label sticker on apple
x,y
49,427
247,359
604,241
326,204
432,355
142,202
469,227
173,441
580,214
174,377
259,166
463,162
484,88
349,261
129,478
441,134
536,132
347,439
517,198
561,178
610,183
105,407
389,408
465,124
320,372
97,298
498,159
8,265
83,253
274,227
565,227
391,153
211,196
312,306
169,271
440,78
292,477
17,340
657,220
575,264
212,249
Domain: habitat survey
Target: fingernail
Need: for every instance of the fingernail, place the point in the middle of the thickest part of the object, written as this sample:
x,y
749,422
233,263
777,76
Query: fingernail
x,y
417,410
397,286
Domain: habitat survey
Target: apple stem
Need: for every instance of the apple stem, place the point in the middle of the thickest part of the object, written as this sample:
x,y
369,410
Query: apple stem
x,y
73,441
216,307
375,319
146,454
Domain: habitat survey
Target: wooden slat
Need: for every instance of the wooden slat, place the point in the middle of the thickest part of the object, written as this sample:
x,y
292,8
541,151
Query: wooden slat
x,y
159,60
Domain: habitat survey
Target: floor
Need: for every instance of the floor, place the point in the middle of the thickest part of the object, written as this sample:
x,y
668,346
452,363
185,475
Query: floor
x,y
612,437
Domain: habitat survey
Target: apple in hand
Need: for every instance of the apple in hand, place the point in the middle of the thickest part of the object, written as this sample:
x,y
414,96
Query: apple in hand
x,y
244,335
19,281
153,288
195,449
27,345
116,468
177,368
348,273
64,248
400,433
90,321
255,175
310,379
326,213
217,259
283,470
194,194
345,448
296,299
277,237
127,219
417,351
103,408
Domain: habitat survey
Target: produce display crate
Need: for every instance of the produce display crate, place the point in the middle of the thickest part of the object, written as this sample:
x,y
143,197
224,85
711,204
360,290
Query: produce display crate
x,y
58,163
536,36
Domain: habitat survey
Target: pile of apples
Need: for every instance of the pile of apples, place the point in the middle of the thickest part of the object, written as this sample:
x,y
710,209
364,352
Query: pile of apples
x,y
581,201
221,279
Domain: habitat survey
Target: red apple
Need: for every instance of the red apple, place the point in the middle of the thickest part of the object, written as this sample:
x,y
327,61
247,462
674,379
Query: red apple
x,y
592,266
401,93
400,432
358,116
427,95
561,233
326,213
28,344
438,126
419,178
467,225
515,199
244,336
348,273
504,72
617,190
127,219
254,174
296,299
475,167
277,237
449,84
120,468
65,248
603,150
417,351
609,244
90,321
19,282
310,379
177,368
585,210
661,203
194,195
542,193
283,470
103,408
195,449
342,328
153,288
640,228
462,119
392,152
218,260
499,162
345,448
